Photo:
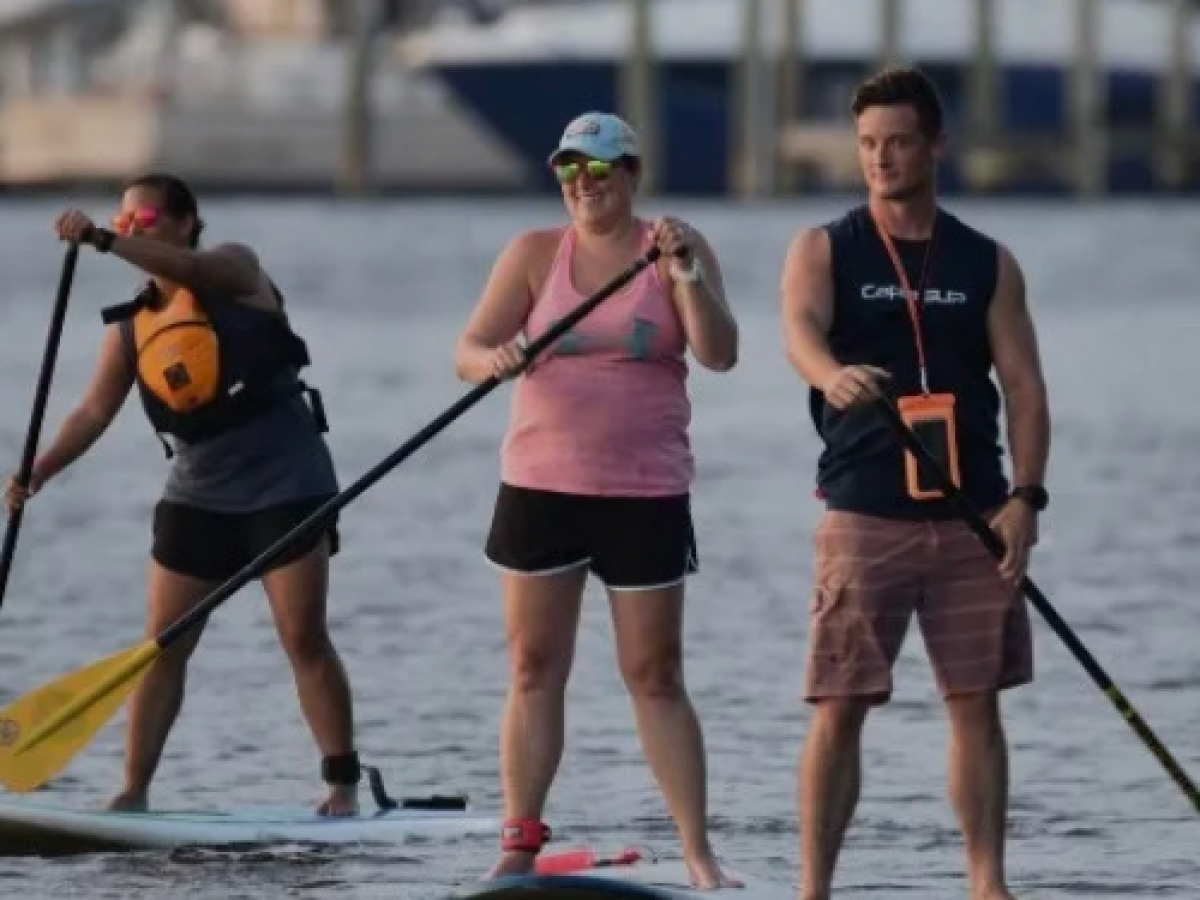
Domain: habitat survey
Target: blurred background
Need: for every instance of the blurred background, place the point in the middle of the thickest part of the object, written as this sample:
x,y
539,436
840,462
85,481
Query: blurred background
x,y
1073,129
734,97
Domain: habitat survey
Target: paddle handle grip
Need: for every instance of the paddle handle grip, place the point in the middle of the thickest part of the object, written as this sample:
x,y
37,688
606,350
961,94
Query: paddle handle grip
x,y
580,860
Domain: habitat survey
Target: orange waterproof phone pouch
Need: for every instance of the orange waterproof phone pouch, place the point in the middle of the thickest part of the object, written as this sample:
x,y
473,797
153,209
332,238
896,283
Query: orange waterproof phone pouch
x,y
931,418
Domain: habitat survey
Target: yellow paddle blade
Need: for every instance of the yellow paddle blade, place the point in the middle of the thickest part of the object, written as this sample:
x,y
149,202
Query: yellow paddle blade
x,y
43,731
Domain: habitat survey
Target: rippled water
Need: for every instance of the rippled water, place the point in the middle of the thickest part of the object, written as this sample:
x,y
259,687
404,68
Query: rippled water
x,y
380,290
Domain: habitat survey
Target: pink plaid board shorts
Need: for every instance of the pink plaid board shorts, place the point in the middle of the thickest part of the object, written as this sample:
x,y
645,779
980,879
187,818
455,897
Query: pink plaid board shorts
x,y
872,574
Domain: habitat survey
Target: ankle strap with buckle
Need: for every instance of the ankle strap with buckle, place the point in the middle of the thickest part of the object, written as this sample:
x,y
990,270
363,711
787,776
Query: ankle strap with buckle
x,y
344,769
523,835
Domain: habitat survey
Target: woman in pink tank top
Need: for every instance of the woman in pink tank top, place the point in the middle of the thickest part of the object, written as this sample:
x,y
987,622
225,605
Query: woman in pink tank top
x,y
596,472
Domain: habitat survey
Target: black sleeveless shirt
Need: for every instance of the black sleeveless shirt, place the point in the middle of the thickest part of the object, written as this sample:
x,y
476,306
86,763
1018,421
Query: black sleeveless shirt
x,y
862,466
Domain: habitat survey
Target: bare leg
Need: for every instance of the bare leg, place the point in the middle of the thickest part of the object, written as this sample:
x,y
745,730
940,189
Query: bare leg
x,y
157,700
830,777
979,789
542,615
297,593
649,626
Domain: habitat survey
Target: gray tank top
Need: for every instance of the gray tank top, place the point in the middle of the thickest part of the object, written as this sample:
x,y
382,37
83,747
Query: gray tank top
x,y
275,458
278,457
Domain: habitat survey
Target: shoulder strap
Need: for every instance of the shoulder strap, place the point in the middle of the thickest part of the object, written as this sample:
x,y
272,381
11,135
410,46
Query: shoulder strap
x,y
278,293
123,311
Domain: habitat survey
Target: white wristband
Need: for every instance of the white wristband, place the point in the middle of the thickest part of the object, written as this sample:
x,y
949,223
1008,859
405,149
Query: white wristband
x,y
690,275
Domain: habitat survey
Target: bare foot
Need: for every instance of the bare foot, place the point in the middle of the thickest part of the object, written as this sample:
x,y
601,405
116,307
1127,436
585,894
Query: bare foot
x,y
706,873
129,801
341,802
515,862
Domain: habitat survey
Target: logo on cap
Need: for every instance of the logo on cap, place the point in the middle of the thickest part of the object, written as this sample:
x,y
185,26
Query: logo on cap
x,y
583,125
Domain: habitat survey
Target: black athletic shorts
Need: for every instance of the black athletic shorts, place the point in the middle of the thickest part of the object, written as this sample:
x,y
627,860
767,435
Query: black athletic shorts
x,y
629,543
214,546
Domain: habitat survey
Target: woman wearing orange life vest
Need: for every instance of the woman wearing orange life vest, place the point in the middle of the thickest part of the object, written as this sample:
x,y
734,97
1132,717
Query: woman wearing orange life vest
x,y
248,460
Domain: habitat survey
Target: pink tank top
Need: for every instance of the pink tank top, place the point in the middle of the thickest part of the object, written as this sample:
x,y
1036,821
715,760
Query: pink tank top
x,y
605,410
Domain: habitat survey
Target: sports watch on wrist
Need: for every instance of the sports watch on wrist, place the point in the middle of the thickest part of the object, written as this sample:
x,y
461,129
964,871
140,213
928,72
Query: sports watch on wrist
x,y
1033,494
690,275
100,238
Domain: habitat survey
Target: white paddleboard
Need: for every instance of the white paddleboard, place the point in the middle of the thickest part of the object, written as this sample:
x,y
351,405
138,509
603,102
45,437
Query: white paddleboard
x,y
33,827
643,880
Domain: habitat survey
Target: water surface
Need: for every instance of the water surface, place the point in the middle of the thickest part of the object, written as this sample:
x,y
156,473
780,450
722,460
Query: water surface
x,y
380,291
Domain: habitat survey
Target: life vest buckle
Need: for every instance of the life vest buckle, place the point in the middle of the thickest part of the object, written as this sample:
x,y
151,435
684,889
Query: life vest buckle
x,y
317,406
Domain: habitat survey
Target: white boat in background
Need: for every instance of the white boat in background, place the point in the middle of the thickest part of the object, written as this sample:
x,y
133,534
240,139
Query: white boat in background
x,y
569,55
95,90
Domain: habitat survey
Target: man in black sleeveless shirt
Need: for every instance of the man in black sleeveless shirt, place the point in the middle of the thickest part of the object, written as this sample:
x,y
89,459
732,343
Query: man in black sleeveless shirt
x,y
901,299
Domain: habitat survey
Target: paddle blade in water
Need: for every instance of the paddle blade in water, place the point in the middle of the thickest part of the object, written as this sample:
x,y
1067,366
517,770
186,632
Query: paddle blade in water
x,y
41,732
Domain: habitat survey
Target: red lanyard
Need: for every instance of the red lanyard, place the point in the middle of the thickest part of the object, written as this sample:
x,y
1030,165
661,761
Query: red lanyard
x,y
911,297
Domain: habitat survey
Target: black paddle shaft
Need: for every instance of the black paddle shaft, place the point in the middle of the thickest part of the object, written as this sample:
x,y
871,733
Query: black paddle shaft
x,y
996,547
326,511
40,399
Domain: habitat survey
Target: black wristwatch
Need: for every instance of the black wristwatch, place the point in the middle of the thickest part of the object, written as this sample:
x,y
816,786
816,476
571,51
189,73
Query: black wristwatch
x,y
1033,494
100,238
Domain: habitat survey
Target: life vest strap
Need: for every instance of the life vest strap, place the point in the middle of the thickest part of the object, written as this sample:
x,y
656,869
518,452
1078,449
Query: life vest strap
x,y
317,406
120,312
259,404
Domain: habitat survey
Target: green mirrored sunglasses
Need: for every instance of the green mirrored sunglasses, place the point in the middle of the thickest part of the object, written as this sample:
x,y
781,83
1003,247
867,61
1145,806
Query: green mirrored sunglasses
x,y
596,168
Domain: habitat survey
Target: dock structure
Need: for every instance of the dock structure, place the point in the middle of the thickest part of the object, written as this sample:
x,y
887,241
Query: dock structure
x,y
806,152
731,98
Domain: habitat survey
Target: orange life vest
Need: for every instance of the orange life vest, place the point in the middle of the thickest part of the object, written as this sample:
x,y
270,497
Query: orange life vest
x,y
178,353
198,378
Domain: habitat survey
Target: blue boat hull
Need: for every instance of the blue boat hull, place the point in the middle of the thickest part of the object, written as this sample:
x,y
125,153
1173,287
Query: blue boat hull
x,y
526,106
